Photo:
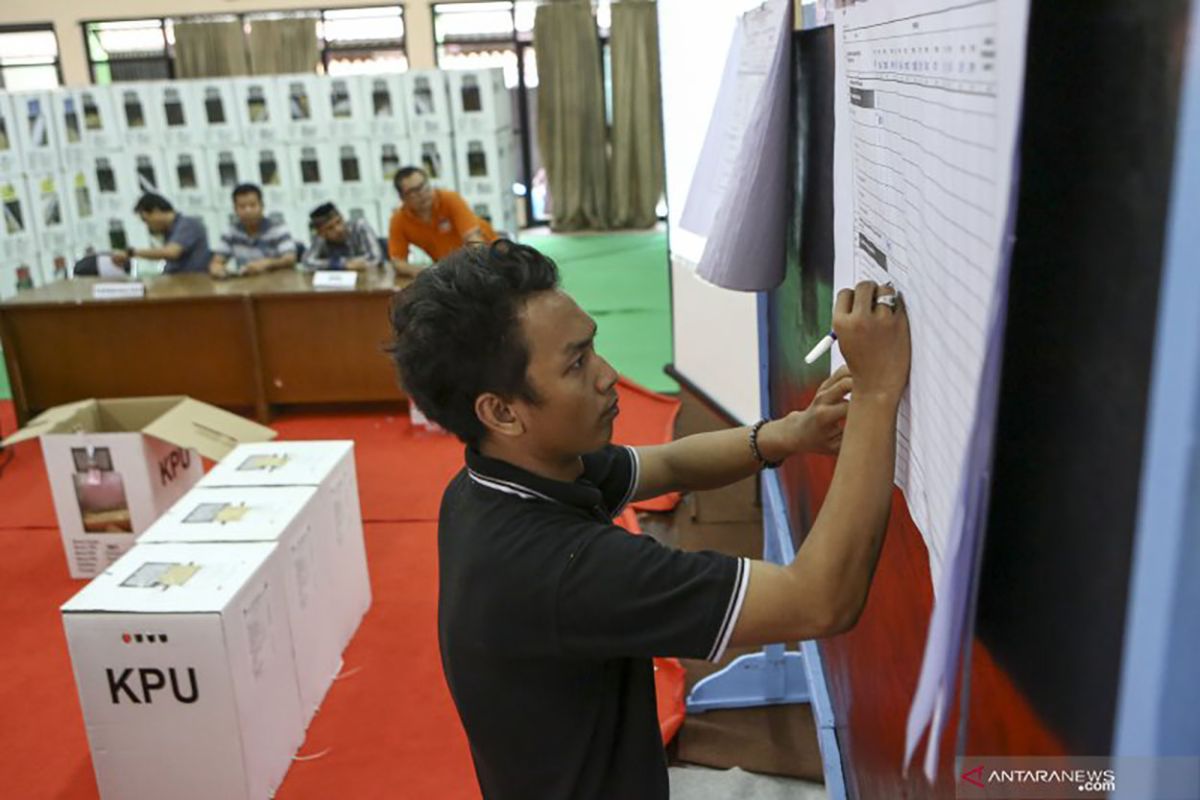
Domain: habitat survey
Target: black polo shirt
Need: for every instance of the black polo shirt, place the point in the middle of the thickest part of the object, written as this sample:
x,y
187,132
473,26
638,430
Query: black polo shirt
x,y
548,617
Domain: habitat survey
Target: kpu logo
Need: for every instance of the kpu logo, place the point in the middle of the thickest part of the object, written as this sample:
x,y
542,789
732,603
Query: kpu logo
x,y
170,464
138,684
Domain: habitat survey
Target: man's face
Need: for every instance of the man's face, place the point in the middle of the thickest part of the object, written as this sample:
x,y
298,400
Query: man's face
x,y
575,386
157,221
417,193
249,208
333,229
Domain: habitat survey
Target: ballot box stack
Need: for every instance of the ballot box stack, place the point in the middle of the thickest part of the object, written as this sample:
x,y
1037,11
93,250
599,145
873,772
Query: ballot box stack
x,y
202,654
481,108
74,162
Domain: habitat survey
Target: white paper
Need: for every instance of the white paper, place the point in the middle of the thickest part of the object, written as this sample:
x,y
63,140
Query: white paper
x,y
927,113
335,279
119,290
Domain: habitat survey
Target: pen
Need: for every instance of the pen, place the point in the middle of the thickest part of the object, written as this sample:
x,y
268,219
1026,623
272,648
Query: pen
x,y
821,348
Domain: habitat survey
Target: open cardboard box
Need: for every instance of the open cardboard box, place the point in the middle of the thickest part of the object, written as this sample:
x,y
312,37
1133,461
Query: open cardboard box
x,y
115,465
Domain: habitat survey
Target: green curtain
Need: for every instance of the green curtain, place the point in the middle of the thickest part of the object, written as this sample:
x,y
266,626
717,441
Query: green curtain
x,y
283,46
572,131
210,49
637,175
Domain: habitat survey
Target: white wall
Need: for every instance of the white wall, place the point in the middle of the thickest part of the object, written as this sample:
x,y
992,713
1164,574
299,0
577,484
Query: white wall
x,y
66,16
715,330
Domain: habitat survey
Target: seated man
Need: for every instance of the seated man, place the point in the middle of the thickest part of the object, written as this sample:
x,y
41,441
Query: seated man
x,y
254,242
340,244
548,614
185,240
436,220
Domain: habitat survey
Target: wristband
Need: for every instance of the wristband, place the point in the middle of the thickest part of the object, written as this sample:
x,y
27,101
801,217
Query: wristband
x,y
754,446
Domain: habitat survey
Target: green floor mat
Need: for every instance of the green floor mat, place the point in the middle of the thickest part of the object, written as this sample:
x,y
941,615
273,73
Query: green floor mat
x,y
621,279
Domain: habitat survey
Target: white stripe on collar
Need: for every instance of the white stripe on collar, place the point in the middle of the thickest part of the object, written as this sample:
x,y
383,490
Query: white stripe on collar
x,y
508,487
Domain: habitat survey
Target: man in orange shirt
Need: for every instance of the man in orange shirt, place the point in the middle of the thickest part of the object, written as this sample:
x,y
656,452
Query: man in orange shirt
x,y
436,220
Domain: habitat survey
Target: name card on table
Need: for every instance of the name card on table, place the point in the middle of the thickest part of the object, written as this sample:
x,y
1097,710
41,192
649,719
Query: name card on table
x,y
335,279
118,290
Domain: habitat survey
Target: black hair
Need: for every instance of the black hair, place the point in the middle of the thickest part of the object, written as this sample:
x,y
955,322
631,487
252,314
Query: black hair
x,y
246,188
406,172
152,202
321,214
457,332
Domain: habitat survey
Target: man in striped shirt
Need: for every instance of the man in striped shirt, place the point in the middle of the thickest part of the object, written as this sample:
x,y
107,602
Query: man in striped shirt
x,y
341,243
255,242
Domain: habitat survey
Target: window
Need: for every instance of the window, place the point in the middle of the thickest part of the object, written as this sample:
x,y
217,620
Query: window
x,y
368,39
29,58
357,41
129,50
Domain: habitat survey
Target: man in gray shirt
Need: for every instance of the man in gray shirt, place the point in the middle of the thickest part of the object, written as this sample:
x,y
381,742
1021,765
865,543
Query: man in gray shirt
x,y
185,241
341,244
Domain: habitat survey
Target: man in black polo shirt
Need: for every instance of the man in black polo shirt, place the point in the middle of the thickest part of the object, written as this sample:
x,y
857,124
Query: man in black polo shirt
x,y
548,614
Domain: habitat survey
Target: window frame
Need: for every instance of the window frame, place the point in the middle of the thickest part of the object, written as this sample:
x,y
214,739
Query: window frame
x,y
34,27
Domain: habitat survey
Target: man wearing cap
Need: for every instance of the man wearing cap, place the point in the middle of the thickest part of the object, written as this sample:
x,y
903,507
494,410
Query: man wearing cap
x,y
438,221
341,243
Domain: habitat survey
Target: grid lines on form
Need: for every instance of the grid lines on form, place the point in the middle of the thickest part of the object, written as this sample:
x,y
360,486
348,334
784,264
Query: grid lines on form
x,y
923,141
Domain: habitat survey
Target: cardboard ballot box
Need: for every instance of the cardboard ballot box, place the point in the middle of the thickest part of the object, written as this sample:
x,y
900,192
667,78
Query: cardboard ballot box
x,y
287,516
329,466
183,661
115,465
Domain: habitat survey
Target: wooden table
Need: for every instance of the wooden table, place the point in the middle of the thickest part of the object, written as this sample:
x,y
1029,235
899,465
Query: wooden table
x,y
242,342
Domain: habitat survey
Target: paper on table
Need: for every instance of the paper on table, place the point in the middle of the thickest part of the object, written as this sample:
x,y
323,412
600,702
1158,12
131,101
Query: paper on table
x,y
926,116
739,195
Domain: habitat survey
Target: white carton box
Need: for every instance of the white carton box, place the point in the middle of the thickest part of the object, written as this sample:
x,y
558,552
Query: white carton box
x,y
426,103
343,105
435,155
80,187
69,128
286,516
102,128
18,274
115,465
486,163
367,210
262,115
116,183
270,168
177,114
329,466
217,108
228,166
147,169
51,218
183,663
499,210
187,180
352,178
122,231
313,167
54,263
18,236
134,103
383,97
479,101
389,156
10,151
307,108
34,114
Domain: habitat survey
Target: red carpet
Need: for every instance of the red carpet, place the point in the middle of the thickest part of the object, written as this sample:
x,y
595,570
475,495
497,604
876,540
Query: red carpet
x,y
387,728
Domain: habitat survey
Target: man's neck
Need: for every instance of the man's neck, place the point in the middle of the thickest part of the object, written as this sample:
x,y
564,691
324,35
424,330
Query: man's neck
x,y
556,468
252,228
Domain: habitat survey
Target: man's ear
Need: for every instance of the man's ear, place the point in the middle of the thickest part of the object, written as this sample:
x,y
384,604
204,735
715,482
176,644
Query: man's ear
x,y
498,415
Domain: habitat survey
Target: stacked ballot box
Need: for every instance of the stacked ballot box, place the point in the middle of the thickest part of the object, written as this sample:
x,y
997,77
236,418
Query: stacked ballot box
x,y
203,653
73,162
